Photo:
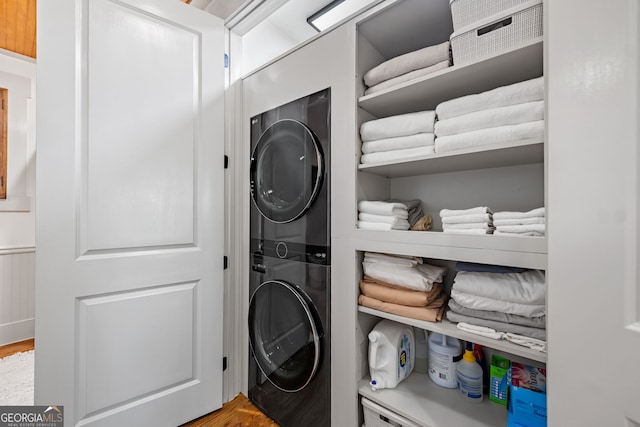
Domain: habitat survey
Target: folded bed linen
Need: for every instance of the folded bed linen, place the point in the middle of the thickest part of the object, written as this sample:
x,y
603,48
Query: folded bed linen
x,y
389,156
524,228
398,143
400,296
469,218
467,225
532,343
484,331
367,225
382,208
490,136
537,333
407,62
517,93
499,316
519,221
489,304
526,233
385,219
523,288
398,125
407,77
471,211
493,117
468,230
407,261
429,314
533,213
420,277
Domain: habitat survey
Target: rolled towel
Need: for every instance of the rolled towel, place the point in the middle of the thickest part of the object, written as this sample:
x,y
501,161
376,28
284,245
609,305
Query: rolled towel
x,y
467,225
389,156
403,64
526,228
366,225
398,143
398,125
457,219
533,213
519,221
490,136
423,224
382,208
532,343
480,330
385,219
494,117
471,211
469,231
517,93
407,77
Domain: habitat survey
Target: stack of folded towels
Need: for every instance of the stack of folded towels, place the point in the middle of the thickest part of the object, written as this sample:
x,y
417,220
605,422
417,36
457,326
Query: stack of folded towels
x,y
500,302
478,220
530,223
388,215
403,285
502,115
407,67
399,137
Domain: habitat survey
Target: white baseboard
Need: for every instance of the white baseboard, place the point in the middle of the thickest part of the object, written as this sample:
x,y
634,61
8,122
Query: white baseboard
x,y
17,331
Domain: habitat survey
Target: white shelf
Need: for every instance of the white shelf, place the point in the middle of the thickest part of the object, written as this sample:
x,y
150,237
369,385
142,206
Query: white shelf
x,y
522,152
425,93
422,401
448,328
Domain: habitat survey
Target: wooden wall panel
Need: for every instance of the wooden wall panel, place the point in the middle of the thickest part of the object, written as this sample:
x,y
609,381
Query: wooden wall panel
x,y
18,26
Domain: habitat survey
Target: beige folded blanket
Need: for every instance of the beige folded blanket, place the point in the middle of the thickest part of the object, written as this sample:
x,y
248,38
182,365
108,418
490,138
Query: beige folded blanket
x,y
396,295
429,314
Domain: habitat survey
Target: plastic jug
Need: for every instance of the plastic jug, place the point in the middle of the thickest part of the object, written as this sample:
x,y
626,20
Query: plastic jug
x,y
444,354
391,354
469,375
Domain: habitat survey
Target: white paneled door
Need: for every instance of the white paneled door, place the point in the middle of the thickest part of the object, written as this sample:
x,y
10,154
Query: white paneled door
x,y
129,223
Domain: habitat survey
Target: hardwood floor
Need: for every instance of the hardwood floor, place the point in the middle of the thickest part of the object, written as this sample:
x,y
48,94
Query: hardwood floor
x,y
237,413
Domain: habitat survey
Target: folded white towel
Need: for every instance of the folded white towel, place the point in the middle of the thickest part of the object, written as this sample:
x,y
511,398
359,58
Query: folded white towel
x,y
526,228
493,117
398,125
407,77
470,211
468,231
517,93
532,343
403,64
420,277
485,137
366,225
526,233
390,156
467,225
527,287
480,330
489,304
398,259
398,143
533,213
518,221
457,219
381,208
387,219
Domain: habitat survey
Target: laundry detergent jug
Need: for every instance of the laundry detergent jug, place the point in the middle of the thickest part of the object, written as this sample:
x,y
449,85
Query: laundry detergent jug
x,y
391,354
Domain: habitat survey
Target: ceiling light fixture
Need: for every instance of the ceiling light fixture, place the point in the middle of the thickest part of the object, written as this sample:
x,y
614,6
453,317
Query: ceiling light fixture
x,y
335,12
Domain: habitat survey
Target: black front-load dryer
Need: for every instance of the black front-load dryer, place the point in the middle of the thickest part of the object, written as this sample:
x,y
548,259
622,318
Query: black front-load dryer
x,y
289,173
289,366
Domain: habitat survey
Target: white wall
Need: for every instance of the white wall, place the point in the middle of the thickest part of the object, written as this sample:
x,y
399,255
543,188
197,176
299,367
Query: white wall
x,y
17,213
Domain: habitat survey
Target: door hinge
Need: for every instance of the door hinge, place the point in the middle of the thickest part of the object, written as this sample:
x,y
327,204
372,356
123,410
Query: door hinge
x,y
226,161
225,263
224,363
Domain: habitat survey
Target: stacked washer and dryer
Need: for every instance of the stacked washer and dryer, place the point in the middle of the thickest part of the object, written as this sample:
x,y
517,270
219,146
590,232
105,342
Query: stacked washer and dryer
x,y
289,311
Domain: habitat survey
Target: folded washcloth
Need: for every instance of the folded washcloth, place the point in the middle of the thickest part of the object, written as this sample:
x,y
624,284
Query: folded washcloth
x,y
420,277
480,330
489,304
498,316
471,211
382,208
398,143
385,219
494,117
397,295
403,64
490,136
523,288
407,261
458,219
467,225
367,225
532,343
526,233
404,154
429,313
469,230
525,228
407,77
517,93
533,213
519,221
414,207
398,125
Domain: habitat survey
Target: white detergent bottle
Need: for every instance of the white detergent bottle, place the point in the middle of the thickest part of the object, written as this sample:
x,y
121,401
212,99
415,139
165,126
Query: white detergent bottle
x,y
391,354
444,355
469,377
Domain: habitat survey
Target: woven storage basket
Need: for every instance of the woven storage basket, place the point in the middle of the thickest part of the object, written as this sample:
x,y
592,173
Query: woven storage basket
x,y
468,12
377,416
499,33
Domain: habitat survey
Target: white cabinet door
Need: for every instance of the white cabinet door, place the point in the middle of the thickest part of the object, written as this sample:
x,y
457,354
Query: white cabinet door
x,y
593,213
129,224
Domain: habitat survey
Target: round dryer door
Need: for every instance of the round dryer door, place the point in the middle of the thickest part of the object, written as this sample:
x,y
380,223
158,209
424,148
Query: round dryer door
x,y
284,335
286,171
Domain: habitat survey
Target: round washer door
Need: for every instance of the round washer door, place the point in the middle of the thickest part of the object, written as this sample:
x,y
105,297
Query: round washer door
x,y
284,335
286,171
